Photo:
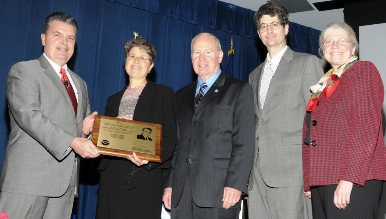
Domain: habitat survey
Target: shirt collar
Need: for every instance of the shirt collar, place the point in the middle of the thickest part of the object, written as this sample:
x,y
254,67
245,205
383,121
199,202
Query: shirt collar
x,y
276,59
209,82
55,66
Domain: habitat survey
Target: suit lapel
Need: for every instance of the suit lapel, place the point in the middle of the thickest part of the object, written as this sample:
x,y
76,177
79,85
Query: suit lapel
x,y
116,101
81,92
191,96
213,91
257,96
50,72
254,81
279,75
145,96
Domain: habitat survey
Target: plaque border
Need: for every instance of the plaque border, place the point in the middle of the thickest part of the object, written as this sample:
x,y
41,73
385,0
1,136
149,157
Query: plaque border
x,y
124,153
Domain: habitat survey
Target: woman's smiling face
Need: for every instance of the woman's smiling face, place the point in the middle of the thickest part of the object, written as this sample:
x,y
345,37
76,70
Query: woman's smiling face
x,y
337,48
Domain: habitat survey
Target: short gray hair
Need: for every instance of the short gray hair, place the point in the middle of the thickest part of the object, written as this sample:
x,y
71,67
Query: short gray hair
x,y
218,44
343,26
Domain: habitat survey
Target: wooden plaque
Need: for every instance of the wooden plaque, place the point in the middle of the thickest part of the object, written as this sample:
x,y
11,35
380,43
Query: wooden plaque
x,y
121,137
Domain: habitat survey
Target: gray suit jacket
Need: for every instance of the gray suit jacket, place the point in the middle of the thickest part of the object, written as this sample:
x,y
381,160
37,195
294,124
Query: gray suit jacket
x,y
38,160
280,123
217,137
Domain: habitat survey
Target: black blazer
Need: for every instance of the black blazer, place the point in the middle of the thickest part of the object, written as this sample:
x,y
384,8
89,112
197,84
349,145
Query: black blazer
x,y
219,136
156,104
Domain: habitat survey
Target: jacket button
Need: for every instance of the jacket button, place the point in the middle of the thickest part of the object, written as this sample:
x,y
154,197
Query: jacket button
x,y
257,138
194,120
314,143
261,120
314,122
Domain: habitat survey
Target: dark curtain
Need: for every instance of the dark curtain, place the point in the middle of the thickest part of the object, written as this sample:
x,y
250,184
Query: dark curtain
x,y
105,25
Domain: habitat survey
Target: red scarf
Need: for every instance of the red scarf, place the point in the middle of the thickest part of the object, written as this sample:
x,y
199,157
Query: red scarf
x,y
331,84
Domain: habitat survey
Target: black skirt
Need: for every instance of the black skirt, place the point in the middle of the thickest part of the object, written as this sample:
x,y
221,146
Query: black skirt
x,y
124,195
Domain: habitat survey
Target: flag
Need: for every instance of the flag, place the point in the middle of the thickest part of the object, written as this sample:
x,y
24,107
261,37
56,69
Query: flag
x,y
231,53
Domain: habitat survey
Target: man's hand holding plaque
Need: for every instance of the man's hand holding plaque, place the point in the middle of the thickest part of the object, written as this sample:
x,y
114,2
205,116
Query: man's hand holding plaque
x,y
88,124
140,142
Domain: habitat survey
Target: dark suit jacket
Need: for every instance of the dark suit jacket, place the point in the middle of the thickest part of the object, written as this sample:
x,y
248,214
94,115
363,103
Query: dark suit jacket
x,y
156,104
347,131
219,136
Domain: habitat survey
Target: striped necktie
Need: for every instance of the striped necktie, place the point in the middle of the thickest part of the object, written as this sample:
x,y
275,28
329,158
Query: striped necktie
x,y
201,93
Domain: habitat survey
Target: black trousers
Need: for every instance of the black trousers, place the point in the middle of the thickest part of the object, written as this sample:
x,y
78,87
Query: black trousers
x,y
187,209
364,202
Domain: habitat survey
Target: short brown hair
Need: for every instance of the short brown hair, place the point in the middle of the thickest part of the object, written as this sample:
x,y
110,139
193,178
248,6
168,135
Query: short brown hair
x,y
272,9
143,44
59,16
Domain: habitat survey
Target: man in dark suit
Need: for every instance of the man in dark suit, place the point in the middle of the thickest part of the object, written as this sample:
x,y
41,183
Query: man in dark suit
x,y
146,132
281,86
39,172
214,153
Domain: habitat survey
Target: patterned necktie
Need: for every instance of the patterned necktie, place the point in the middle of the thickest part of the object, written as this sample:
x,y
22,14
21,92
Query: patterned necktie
x,y
69,89
201,93
265,80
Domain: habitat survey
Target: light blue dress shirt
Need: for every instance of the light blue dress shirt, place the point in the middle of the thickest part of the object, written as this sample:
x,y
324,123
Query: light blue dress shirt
x,y
209,82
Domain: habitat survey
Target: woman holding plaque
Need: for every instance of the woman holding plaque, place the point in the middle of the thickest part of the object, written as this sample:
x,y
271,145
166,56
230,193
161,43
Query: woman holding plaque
x,y
132,188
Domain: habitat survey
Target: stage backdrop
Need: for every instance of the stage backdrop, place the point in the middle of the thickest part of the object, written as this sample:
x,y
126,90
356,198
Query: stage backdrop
x,y
105,25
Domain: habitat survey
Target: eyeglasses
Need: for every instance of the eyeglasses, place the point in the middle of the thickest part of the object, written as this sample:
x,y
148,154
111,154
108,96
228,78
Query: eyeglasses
x,y
340,42
274,25
140,58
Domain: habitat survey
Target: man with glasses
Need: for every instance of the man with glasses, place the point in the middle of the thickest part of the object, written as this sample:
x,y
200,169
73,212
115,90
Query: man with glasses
x,y
281,87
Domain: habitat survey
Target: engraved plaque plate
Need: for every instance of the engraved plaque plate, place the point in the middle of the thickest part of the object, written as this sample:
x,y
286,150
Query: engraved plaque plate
x,y
120,137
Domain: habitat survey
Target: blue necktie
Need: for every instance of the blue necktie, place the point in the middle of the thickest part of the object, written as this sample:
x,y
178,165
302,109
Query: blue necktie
x,y
201,93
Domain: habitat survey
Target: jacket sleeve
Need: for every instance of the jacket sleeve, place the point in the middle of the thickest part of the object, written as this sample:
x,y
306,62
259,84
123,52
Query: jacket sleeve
x,y
243,140
365,98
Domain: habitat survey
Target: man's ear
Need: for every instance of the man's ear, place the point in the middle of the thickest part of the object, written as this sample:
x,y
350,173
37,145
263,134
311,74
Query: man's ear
x,y
43,37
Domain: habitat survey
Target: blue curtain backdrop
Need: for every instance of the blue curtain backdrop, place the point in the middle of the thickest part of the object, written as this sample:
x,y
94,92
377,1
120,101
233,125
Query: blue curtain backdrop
x,y
105,25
